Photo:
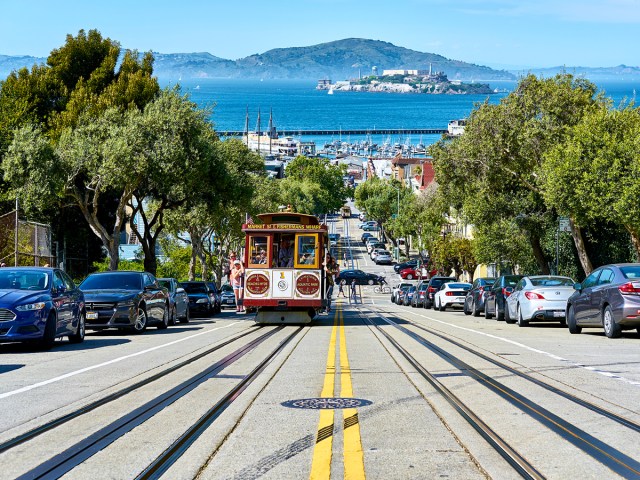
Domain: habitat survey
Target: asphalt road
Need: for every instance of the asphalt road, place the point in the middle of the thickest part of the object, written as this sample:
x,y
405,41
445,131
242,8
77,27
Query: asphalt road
x,y
561,406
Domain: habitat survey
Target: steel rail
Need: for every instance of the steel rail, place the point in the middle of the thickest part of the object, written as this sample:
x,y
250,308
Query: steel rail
x,y
600,451
171,455
583,403
31,434
67,460
517,461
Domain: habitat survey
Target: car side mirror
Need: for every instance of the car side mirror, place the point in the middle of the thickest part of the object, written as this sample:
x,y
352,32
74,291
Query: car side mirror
x,y
577,286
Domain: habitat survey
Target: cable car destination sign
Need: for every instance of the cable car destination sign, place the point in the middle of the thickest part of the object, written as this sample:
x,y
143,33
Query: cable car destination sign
x,y
282,226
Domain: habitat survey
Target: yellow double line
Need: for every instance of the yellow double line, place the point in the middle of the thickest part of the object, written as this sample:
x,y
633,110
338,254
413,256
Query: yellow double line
x,y
353,455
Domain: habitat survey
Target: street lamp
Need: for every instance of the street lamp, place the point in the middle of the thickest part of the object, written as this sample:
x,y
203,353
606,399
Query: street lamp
x,y
397,252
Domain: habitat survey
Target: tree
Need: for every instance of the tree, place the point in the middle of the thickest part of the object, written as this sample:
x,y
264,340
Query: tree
x,y
599,158
314,185
450,252
494,170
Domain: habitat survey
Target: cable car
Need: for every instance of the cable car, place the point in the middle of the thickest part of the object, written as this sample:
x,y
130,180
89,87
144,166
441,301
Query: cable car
x,y
345,212
284,275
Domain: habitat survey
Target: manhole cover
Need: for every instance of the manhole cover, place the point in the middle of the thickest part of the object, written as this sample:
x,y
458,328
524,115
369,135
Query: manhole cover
x,y
326,403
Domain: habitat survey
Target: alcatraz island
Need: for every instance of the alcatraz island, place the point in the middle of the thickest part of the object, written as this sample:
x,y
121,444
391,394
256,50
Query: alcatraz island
x,y
406,81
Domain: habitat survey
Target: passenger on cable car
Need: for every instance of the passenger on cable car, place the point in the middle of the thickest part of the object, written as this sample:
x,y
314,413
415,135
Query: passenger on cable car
x,y
285,255
262,258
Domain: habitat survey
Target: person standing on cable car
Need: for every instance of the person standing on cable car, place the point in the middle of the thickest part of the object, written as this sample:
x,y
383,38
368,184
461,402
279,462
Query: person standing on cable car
x,y
285,255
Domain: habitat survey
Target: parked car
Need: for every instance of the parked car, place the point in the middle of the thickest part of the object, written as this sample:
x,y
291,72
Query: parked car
x,y
217,307
408,295
421,294
496,298
474,301
365,235
125,300
396,289
362,278
450,294
608,298
408,264
410,273
369,223
178,300
334,237
402,292
202,298
539,297
371,240
383,257
370,227
371,246
433,286
227,297
38,305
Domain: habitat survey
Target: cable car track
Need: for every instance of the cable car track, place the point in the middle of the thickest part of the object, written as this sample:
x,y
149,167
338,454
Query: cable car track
x,y
614,459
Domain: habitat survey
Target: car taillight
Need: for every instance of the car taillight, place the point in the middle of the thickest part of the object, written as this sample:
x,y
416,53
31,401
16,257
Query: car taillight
x,y
506,292
630,288
431,289
533,296
450,294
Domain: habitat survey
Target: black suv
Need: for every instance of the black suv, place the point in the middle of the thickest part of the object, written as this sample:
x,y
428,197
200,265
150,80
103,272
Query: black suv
x,y
432,287
496,298
474,301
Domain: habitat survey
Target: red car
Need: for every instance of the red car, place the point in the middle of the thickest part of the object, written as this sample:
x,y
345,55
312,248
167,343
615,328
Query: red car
x,y
410,273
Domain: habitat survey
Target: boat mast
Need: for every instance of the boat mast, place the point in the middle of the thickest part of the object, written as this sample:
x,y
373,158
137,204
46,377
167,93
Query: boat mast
x,y
246,126
258,130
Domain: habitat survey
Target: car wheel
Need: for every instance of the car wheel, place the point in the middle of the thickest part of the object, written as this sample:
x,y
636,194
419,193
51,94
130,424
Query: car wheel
x,y
507,316
370,282
571,320
140,324
174,316
165,319
441,307
521,321
78,337
475,311
409,277
187,316
486,311
611,328
500,315
49,336
465,309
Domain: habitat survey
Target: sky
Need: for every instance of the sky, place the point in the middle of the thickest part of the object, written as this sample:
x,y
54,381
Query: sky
x,y
498,33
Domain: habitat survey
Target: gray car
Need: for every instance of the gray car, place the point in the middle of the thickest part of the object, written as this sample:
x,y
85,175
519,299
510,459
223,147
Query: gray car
x,y
608,298
178,300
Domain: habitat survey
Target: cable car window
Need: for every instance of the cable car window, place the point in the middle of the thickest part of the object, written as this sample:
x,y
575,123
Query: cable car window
x,y
307,251
259,249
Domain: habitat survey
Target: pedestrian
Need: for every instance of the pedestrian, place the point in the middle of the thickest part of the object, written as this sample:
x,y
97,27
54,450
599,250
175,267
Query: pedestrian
x,y
330,270
341,285
353,291
237,282
232,258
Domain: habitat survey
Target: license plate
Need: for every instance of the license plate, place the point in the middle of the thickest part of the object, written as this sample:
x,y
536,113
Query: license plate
x,y
92,315
230,302
558,314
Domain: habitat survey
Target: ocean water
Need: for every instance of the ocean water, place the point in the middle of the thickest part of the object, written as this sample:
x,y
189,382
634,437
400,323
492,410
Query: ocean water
x,y
297,105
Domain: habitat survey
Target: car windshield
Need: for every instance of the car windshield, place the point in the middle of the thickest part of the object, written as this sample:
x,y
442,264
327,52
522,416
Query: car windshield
x,y
195,287
19,279
226,289
112,281
165,283
511,280
436,282
458,286
632,271
551,282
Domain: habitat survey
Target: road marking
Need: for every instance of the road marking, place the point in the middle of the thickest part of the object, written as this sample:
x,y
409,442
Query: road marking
x,y
353,455
110,362
321,463
535,350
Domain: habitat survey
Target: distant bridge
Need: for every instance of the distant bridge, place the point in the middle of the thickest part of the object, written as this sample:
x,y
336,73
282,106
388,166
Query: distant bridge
x,y
369,131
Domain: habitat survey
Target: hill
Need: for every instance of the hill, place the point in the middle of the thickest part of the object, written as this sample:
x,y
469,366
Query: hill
x,y
620,72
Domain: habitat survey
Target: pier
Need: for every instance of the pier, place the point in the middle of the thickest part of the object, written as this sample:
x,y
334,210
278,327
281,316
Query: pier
x,y
369,131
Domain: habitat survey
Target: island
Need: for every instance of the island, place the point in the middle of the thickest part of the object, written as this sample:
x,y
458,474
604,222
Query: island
x,y
406,81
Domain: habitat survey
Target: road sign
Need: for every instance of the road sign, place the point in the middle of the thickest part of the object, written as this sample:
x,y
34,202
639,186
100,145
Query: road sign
x,y
563,224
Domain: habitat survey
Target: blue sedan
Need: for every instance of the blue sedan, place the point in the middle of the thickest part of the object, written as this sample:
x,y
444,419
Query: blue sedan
x,y
40,305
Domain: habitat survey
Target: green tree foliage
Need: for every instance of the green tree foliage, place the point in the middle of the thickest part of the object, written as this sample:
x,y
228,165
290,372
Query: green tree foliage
x,y
494,171
600,159
452,253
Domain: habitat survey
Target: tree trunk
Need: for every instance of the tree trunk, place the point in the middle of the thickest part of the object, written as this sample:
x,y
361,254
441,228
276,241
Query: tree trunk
x,y
150,259
541,260
635,238
192,264
113,248
578,240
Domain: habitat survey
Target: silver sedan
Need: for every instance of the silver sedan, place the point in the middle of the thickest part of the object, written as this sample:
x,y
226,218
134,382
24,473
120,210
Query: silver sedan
x,y
539,298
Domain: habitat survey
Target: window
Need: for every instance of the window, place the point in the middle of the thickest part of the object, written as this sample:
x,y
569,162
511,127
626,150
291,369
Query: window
x,y
605,277
259,250
148,280
591,280
306,254
67,281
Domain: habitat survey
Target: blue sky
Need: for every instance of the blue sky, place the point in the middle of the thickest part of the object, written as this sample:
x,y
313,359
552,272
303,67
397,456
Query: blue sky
x,y
498,33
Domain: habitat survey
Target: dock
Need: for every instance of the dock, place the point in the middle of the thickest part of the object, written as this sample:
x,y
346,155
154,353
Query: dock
x,y
369,131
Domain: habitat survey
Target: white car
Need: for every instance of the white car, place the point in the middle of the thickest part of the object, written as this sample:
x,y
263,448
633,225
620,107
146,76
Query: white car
x,y
383,256
539,298
451,294
375,252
